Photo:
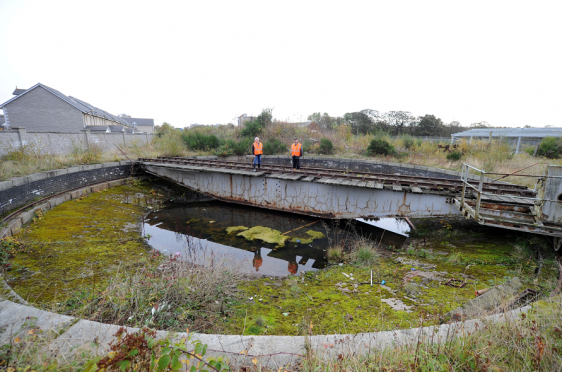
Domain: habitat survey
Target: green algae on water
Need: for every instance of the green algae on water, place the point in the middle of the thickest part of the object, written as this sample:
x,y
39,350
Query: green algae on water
x,y
312,235
233,229
265,234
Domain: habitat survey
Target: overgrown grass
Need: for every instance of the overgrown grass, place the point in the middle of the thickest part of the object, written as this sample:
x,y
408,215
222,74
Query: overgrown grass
x,y
175,296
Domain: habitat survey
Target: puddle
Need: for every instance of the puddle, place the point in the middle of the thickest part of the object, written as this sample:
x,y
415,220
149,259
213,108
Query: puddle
x,y
204,231
395,225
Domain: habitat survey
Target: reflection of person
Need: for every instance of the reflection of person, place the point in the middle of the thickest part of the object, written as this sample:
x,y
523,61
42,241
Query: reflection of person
x,y
296,152
257,151
257,261
293,267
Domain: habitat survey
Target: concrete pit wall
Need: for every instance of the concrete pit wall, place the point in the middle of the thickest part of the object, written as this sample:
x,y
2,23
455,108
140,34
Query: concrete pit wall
x,y
21,191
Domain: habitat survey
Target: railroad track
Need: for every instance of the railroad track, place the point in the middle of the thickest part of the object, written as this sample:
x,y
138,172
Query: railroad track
x,y
393,180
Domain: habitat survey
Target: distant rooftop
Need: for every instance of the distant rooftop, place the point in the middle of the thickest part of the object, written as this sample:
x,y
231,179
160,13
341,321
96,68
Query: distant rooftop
x,y
18,91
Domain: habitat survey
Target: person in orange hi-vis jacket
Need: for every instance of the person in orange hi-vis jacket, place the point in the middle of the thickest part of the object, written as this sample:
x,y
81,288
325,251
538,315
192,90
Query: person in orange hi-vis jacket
x,y
293,267
257,261
257,151
296,152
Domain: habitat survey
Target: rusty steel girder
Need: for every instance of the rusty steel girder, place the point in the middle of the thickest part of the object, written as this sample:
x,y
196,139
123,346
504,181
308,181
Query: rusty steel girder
x,y
309,198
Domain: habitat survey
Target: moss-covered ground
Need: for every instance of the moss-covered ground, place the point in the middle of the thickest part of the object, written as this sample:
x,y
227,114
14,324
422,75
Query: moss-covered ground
x,y
340,299
80,244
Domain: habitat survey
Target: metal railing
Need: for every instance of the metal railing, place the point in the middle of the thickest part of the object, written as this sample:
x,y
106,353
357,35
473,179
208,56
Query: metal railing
x,y
539,188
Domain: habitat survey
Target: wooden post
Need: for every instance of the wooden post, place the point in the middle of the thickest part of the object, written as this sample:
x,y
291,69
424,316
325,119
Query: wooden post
x,y
536,149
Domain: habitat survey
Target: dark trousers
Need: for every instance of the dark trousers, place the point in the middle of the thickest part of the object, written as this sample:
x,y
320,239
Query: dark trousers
x,y
297,162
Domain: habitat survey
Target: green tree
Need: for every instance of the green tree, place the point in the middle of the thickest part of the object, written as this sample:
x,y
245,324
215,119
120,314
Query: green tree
x,y
359,122
428,125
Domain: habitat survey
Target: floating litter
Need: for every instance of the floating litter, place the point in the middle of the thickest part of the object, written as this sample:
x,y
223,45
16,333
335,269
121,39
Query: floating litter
x,y
413,268
251,298
285,314
298,241
382,283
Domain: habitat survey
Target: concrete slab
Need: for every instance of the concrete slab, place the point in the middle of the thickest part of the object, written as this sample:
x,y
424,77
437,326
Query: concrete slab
x,y
18,181
4,185
59,200
74,169
14,225
16,319
90,167
55,173
100,187
110,164
124,162
27,216
78,193
35,177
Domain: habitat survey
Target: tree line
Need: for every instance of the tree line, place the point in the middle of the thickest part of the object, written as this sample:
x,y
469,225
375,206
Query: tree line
x,y
391,122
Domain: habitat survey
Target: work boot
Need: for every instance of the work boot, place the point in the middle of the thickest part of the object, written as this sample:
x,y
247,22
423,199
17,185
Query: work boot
x,y
259,166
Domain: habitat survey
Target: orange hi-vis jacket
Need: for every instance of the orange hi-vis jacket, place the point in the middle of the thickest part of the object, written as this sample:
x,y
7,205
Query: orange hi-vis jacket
x,y
296,149
258,148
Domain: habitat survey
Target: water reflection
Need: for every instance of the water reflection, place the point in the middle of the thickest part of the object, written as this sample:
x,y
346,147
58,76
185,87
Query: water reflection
x,y
198,232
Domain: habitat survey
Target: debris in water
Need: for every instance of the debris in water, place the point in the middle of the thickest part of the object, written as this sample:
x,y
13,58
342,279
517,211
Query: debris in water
x,y
383,282
285,314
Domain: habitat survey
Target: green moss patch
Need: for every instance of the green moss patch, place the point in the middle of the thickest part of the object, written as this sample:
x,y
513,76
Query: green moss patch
x,y
79,244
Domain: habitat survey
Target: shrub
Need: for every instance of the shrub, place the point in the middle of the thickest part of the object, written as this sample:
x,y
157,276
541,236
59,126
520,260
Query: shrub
x,y
454,156
326,146
252,129
408,141
366,256
224,150
334,254
549,147
86,154
380,146
241,147
170,143
274,146
196,140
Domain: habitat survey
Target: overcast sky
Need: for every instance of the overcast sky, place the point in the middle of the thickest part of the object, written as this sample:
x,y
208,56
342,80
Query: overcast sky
x,y
210,61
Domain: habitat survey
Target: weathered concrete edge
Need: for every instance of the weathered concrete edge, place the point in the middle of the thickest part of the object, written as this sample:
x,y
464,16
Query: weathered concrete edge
x,y
400,165
83,335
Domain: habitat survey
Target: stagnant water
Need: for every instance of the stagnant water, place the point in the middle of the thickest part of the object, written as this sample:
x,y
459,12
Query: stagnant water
x,y
198,231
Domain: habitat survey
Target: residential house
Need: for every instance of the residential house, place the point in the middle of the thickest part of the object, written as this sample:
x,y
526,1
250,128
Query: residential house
x,y
44,109
243,119
141,125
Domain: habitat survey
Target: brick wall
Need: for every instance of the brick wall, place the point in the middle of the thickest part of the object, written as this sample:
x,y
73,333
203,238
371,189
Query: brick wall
x,y
20,191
